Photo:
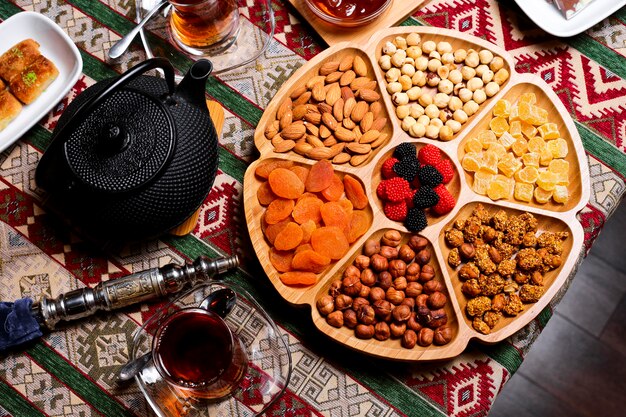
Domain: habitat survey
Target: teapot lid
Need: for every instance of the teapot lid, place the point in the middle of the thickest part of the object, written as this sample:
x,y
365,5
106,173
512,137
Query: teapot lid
x,y
122,143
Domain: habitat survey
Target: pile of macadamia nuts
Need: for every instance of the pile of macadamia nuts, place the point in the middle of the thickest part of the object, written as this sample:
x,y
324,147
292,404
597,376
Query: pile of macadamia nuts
x,y
436,89
390,291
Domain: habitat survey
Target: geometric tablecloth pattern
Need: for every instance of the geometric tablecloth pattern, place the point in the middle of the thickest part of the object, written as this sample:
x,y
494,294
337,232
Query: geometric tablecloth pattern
x,y
71,372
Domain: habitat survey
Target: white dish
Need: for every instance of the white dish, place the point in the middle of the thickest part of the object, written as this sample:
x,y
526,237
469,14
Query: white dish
x,y
550,19
58,48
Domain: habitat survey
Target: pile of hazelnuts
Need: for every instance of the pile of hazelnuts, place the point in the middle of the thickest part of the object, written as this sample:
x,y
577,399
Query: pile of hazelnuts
x,y
389,291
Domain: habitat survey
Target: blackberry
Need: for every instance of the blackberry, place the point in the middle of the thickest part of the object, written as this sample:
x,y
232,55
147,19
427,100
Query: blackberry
x,y
415,220
407,168
425,197
405,150
428,175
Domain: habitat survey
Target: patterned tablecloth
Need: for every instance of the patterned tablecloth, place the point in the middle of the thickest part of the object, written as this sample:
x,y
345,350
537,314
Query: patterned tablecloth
x,y
71,372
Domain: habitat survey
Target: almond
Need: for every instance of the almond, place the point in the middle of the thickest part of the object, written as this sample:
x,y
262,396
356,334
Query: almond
x,y
346,63
313,118
284,146
346,93
375,108
319,153
277,140
370,85
299,111
324,108
314,80
348,107
312,108
361,82
330,121
286,119
336,149
347,78
338,109
293,132
359,66
314,141
357,160
329,67
348,123
380,141
330,141
379,124
272,129
359,111
298,92
344,134
369,136
357,133
285,105
368,95
333,77
312,129
366,121
359,148
333,94
341,158
303,99
302,148
324,132
318,93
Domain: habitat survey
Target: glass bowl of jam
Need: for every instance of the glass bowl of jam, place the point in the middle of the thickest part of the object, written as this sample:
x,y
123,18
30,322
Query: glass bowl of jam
x,y
348,13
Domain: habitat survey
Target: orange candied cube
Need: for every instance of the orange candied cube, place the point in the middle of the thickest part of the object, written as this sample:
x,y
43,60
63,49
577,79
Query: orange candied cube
x,y
558,166
472,161
542,196
529,98
523,191
499,125
549,131
514,115
490,162
507,140
498,149
560,194
482,179
502,108
536,144
520,147
528,130
509,165
527,174
473,145
499,188
547,180
545,157
558,148
487,137
531,159
515,129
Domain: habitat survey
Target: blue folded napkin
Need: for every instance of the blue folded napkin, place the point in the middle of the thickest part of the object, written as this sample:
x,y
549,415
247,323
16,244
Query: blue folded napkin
x,y
17,324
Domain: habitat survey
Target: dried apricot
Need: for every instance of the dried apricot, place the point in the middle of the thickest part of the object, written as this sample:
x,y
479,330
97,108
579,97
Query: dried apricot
x,y
303,247
264,168
307,208
285,183
330,241
320,176
359,224
272,230
301,172
307,229
278,210
355,192
298,278
310,261
289,238
335,190
264,194
281,260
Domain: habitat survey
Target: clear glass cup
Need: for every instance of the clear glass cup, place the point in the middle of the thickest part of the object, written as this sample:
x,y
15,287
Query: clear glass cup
x,y
204,27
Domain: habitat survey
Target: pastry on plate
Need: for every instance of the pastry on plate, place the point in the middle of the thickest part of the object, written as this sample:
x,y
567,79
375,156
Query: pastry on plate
x,y
33,80
10,107
16,59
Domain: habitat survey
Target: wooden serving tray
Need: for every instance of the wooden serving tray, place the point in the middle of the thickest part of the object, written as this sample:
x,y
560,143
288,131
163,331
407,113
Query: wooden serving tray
x,y
551,217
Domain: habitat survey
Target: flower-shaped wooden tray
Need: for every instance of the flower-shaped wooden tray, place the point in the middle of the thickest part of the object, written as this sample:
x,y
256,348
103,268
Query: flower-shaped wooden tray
x,y
551,216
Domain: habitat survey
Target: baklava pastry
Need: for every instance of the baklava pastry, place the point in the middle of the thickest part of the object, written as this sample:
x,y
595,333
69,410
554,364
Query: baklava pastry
x,y
16,59
34,80
10,107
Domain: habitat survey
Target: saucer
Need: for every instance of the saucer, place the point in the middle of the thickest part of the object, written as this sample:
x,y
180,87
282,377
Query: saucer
x,y
269,360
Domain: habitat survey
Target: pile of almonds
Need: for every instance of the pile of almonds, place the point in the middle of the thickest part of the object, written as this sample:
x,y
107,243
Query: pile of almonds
x,y
336,115
390,291
436,89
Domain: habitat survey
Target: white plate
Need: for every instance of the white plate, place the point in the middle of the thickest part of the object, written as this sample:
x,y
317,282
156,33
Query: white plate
x,y
550,19
58,48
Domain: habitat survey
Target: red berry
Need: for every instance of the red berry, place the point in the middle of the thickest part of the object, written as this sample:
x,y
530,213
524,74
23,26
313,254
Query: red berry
x,y
429,155
380,190
387,169
396,189
446,170
446,200
396,211
409,198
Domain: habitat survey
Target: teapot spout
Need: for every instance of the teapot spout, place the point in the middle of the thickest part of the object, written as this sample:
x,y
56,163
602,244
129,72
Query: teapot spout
x,y
191,88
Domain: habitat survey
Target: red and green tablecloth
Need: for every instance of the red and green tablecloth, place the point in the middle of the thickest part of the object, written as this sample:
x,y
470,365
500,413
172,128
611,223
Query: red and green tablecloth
x,y
71,372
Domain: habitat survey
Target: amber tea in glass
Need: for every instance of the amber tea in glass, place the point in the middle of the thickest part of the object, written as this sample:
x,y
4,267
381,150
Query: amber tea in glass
x,y
203,27
196,352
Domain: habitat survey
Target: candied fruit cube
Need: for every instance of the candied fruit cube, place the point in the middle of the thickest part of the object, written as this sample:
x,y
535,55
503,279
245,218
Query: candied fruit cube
x,y
482,179
473,145
523,191
558,166
536,144
542,196
540,116
499,188
530,98
515,129
509,165
531,159
502,108
514,115
472,161
520,146
499,125
545,157
562,178
549,131
490,162
528,130
487,137
507,140
558,148
528,175
560,194
547,180
498,149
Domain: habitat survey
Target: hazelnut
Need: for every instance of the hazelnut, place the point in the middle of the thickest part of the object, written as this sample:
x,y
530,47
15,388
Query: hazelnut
x,y
343,301
391,238
358,303
350,319
385,280
376,294
365,291
498,302
425,337
366,315
413,289
362,262
439,318
494,255
382,308
335,319
409,339
423,257
467,251
401,313
364,331
381,331
489,234
413,324
417,243
335,288
443,335
469,271
400,283
351,271
389,252
379,263
371,247
537,278
408,301
368,278
433,286
351,285
427,273
437,300
397,268
406,253
394,296
412,272
397,329
325,305
471,288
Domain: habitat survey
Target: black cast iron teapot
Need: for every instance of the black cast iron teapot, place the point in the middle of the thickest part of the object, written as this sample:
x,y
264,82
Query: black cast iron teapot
x,y
133,156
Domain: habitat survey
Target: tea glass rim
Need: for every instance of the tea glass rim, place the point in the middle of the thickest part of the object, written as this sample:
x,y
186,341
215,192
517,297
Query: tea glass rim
x,y
188,3
155,345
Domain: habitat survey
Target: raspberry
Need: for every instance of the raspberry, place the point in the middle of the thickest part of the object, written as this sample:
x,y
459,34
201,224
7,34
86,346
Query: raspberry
x,y
395,211
415,220
429,155
425,197
446,200
407,168
429,175
380,190
387,169
446,170
404,150
396,189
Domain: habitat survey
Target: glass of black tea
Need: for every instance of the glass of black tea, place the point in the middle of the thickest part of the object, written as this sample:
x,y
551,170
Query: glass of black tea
x,y
196,352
